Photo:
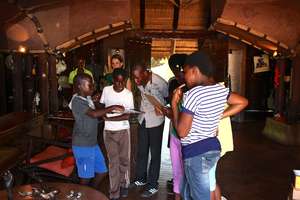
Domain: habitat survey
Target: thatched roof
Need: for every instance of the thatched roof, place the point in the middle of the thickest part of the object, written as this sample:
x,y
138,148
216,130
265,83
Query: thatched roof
x,y
265,24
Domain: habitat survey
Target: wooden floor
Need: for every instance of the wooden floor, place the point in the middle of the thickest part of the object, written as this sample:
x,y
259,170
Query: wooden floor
x,y
258,169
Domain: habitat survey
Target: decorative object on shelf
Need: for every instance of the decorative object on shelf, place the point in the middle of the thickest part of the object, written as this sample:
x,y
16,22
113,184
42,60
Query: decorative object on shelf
x,y
8,183
9,62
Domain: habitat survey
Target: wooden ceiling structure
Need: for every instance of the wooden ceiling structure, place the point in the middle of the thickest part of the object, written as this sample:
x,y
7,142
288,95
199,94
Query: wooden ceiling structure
x,y
268,25
174,25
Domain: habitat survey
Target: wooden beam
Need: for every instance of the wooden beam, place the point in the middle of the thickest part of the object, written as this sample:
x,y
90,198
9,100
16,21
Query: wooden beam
x,y
3,104
53,84
43,83
172,34
18,83
176,14
142,13
280,90
294,107
28,83
200,43
216,9
251,36
34,9
93,37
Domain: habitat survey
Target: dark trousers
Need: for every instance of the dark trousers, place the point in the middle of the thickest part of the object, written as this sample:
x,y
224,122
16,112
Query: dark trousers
x,y
149,138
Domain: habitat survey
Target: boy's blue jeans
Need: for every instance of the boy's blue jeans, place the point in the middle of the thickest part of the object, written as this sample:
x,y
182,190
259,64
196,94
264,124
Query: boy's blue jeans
x,y
196,184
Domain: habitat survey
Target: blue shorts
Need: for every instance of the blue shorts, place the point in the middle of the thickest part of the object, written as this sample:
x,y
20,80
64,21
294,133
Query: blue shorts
x,y
89,160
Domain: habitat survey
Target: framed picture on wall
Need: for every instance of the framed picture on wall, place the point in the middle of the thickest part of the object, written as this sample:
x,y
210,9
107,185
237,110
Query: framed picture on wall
x,y
261,63
110,53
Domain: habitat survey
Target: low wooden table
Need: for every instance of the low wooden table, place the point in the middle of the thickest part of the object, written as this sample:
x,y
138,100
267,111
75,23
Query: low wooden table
x,y
88,193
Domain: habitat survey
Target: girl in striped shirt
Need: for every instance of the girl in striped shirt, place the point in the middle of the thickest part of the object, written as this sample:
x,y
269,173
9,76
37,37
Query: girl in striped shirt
x,y
197,123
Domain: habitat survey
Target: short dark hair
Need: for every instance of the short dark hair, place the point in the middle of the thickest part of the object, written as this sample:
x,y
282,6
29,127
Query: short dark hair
x,y
117,56
202,61
176,61
119,72
139,65
80,77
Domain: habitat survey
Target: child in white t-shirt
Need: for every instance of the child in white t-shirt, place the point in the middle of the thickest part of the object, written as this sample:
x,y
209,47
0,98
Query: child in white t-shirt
x,y
117,134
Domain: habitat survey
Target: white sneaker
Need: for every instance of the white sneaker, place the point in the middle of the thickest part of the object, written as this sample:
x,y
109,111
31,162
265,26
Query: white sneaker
x,y
137,184
223,198
148,193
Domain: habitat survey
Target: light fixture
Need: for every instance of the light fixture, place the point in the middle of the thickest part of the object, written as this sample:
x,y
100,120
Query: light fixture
x,y
275,53
22,49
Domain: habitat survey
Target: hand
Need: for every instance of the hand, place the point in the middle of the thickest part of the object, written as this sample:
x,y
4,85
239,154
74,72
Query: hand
x,y
158,111
167,112
177,95
96,97
118,108
105,118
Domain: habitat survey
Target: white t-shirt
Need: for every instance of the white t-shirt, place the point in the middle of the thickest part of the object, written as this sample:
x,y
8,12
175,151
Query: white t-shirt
x,y
110,97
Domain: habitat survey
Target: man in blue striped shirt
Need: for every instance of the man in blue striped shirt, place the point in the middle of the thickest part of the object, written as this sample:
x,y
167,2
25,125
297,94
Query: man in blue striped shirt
x,y
197,123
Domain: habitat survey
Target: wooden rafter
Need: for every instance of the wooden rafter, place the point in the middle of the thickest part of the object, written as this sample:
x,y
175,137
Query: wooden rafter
x,y
28,10
172,34
176,14
251,36
93,36
142,13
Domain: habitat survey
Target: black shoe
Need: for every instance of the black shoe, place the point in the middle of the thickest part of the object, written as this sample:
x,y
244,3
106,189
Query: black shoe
x,y
124,192
170,185
136,184
170,182
150,192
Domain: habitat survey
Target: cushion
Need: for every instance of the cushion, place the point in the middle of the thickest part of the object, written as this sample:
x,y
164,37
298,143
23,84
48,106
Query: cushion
x,y
55,166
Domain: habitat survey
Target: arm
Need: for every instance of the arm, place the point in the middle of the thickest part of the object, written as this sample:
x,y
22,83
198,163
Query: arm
x,y
129,84
98,105
101,112
96,101
181,121
167,112
236,104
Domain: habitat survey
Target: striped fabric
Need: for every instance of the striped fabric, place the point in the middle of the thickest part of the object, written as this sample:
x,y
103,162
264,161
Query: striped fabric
x,y
206,104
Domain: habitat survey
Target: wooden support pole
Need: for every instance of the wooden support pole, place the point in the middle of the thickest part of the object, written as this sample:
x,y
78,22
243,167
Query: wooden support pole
x,y
3,104
53,84
28,83
280,93
43,82
173,46
18,82
294,107
176,14
142,13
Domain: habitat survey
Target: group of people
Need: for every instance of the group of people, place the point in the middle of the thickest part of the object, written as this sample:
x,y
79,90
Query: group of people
x,y
197,106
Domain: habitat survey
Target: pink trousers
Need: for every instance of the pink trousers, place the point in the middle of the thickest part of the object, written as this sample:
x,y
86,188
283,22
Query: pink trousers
x,y
177,164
